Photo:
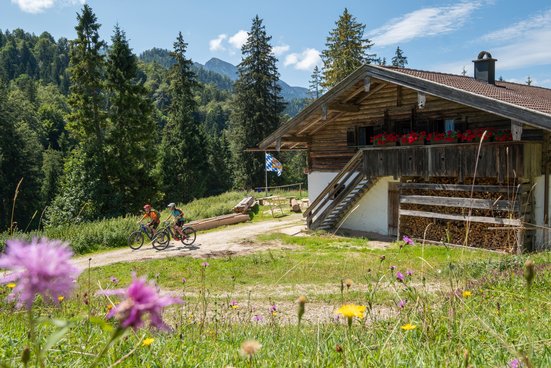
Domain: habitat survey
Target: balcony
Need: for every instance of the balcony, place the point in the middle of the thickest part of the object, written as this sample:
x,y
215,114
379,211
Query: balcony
x,y
521,159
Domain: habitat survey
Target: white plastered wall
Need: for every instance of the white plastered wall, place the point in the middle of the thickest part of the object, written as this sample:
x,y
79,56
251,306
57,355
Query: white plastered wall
x,y
371,213
538,211
317,181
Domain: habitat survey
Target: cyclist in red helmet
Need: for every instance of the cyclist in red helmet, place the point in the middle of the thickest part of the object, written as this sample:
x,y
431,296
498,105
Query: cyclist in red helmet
x,y
154,218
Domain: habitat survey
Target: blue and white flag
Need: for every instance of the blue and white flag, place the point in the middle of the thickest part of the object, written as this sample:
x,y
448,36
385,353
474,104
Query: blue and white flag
x,y
272,164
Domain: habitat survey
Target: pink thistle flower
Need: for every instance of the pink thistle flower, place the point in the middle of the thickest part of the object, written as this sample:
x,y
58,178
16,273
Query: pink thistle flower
x,y
114,280
273,308
392,268
205,264
258,318
402,303
40,267
515,363
400,276
184,280
409,272
141,299
408,240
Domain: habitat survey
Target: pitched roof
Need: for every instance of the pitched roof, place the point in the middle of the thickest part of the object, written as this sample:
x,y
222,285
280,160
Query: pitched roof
x,y
528,104
530,97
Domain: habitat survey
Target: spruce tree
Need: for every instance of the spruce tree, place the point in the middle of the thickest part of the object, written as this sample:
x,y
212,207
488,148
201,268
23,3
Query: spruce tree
x,y
257,106
346,49
399,60
315,90
129,147
85,191
183,157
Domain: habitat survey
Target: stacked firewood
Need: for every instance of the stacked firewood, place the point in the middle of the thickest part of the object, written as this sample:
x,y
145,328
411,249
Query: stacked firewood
x,y
484,235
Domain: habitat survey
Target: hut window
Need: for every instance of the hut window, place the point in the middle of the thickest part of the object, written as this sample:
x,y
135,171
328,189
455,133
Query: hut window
x,y
364,135
351,137
449,125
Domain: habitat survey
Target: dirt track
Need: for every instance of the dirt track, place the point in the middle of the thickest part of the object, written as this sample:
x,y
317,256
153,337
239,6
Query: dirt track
x,y
228,240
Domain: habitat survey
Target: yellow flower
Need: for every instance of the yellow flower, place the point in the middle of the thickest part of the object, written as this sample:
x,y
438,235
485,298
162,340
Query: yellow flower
x,y
274,314
467,294
60,298
11,285
409,327
148,341
352,310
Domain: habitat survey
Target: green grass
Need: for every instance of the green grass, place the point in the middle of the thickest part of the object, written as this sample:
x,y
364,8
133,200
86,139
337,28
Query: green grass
x,y
499,322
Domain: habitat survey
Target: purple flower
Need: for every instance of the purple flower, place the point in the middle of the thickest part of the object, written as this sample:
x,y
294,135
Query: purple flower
x,y
40,267
114,280
273,308
205,264
258,318
409,272
402,304
184,280
515,363
399,276
408,240
392,268
141,299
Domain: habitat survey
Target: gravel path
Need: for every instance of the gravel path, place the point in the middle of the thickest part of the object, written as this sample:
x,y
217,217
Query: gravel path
x,y
236,239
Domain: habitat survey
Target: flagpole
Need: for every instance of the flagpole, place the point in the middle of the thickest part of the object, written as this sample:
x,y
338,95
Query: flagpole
x,y
265,174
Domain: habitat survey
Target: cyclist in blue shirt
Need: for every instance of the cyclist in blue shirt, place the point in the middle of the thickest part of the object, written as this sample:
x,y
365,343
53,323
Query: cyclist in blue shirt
x,y
178,216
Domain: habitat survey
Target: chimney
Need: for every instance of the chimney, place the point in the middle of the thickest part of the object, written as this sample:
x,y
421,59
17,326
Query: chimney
x,y
485,68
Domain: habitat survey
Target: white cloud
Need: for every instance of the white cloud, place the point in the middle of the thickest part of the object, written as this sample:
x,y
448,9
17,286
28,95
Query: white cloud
x,y
306,60
238,39
280,49
521,28
216,43
38,6
423,23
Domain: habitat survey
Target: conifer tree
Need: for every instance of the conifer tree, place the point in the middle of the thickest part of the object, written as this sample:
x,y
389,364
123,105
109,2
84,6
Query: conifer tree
x,y
183,159
399,59
315,90
129,147
257,106
85,191
346,49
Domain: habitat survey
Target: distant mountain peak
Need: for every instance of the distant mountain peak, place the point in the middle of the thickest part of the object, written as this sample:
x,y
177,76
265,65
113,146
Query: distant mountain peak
x,y
222,67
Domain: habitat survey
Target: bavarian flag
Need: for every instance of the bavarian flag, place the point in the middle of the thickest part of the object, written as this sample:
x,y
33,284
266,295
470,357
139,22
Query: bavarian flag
x,y
272,164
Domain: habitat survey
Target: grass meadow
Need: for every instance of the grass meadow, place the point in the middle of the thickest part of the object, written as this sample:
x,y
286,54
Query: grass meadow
x,y
423,306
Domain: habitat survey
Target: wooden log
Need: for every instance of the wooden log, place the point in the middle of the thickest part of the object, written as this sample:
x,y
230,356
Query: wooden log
x,y
217,221
483,219
295,205
244,205
487,204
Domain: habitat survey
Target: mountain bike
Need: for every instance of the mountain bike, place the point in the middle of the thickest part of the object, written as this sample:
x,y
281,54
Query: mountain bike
x,y
187,237
136,239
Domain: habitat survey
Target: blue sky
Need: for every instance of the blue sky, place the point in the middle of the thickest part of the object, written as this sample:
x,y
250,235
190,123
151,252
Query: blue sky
x,y
435,35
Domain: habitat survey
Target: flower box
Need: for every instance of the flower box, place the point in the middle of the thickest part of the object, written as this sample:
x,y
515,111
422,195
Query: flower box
x,y
443,137
385,139
413,139
475,135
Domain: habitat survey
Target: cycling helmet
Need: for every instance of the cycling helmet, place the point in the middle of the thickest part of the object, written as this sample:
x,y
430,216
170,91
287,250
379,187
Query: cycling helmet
x,y
147,207
171,205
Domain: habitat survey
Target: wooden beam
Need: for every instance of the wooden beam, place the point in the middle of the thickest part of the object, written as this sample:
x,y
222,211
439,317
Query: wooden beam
x,y
445,216
466,187
344,107
295,139
484,204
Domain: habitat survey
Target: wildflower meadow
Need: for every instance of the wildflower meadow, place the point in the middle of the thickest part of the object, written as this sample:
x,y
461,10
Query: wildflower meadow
x,y
318,301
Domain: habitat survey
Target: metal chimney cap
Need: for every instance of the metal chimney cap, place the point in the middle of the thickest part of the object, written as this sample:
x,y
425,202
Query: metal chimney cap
x,y
484,56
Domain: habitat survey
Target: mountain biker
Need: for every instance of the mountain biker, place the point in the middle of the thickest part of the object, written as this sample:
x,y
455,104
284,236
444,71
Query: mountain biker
x,y
178,216
153,215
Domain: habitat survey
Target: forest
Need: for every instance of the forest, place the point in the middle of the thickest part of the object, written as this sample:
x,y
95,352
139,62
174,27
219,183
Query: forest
x,y
91,130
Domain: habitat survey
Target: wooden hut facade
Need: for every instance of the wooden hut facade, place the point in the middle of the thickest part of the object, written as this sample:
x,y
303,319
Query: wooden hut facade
x,y
398,152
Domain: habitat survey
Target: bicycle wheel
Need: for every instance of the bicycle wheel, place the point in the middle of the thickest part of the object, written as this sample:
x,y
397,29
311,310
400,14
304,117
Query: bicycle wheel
x,y
135,240
161,240
189,235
